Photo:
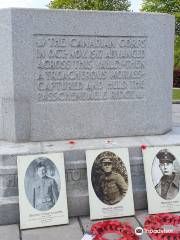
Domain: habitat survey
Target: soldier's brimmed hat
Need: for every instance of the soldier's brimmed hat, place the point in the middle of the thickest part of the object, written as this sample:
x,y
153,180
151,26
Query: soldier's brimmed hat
x,y
165,156
105,159
40,165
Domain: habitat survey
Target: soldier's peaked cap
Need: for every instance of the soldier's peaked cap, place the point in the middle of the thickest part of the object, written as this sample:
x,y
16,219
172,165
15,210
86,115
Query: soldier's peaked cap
x,y
106,158
165,156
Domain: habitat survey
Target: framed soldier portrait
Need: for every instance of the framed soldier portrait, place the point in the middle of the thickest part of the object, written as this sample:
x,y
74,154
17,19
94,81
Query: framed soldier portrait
x,y
162,174
42,190
109,183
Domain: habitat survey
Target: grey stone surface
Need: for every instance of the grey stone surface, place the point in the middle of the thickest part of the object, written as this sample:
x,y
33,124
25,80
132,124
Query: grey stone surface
x,y
77,191
8,160
87,223
9,210
176,114
141,216
76,178
10,232
72,231
6,73
84,74
65,232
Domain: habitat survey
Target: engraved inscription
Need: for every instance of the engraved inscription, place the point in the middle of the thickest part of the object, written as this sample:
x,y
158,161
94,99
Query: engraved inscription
x,y
89,68
10,181
75,175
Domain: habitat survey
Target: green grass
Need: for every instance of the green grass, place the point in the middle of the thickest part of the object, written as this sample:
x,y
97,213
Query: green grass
x,y
176,93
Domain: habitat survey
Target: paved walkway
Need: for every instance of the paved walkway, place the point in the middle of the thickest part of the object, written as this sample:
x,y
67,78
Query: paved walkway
x,y
73,231
77,226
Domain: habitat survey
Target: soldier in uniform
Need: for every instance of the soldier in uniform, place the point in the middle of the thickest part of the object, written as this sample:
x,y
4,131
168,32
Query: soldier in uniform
x,y
45,191
112,186
169,184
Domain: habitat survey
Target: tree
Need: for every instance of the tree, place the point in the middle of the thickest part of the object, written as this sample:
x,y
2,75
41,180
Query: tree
x,y
111,5
164,6
171,7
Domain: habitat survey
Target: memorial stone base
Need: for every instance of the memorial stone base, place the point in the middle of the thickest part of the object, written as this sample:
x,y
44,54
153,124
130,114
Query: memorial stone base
x,y
84,74
76,176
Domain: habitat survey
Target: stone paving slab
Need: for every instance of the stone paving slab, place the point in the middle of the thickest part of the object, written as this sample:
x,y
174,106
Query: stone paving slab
x,y
177,123
175,108
176,119
9,211
175,130
71,231
176,114
141,216
87,223
9,232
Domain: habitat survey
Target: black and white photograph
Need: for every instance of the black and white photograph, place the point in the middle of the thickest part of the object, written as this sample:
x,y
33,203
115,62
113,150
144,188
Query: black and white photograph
x,y
166,174
109,183
109,178
42,190
42,184
162,172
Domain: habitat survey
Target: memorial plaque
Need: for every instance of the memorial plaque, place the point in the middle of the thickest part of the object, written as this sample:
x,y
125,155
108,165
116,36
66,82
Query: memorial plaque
x,y
162,173
42,190
109,183
89,68
84,74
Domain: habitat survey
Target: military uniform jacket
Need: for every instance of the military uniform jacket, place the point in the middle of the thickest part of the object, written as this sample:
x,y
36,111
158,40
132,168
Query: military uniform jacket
x,y
45,193
113,188
168,190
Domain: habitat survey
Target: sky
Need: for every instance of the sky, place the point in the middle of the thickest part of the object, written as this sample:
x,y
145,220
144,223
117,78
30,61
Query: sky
x,y
135,4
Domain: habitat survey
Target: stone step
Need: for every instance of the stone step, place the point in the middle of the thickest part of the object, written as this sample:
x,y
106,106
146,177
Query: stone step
x,y
75,165
71,231
9,232
9,210
74,230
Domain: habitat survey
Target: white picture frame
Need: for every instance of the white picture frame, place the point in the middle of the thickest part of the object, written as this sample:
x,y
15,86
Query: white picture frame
x,y
42,190
110,193
162,180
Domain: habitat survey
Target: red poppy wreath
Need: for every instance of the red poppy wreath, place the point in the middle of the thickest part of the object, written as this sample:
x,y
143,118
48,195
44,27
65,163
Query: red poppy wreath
x,y
126,232
154,226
